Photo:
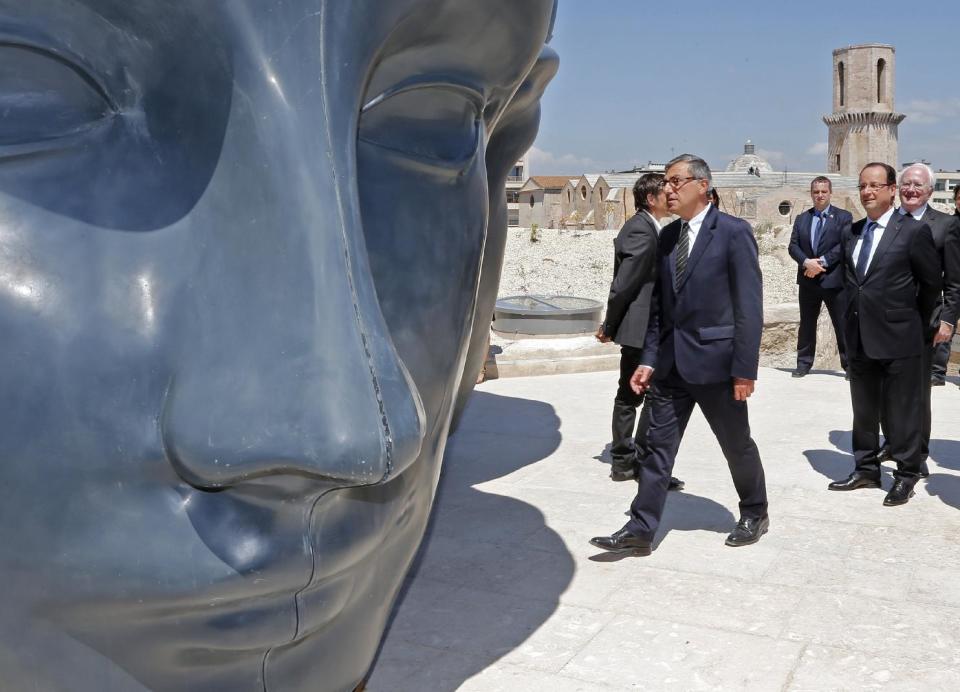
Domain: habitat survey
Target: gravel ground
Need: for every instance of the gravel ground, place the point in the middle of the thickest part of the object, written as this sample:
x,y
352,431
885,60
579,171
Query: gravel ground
x,y
580,263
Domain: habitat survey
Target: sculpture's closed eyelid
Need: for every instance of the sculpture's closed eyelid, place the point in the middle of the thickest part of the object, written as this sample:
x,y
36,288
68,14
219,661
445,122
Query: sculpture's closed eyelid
x,y
434,122
44,97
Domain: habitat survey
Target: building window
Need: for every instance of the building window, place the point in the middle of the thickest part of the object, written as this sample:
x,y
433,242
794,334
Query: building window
x,y
601,193
513,217
940,186
531,201
513,197
881,78
838,163
842,85
785,208
583,191
569,197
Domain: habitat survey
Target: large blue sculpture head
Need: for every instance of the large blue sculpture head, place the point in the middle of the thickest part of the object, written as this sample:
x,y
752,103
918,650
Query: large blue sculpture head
x,y
240,260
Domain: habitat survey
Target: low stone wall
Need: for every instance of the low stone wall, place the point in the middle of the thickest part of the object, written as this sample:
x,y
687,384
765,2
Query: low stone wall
x,y
580,263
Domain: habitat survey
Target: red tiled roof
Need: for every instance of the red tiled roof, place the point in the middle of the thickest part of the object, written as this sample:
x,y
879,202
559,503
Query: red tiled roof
x,y
551,182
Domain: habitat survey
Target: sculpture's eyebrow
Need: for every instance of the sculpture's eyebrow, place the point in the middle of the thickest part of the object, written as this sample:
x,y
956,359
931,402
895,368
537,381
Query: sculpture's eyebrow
x,y
429,81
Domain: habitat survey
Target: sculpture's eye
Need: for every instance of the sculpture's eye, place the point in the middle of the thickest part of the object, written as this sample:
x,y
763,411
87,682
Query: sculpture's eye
x,y
44,97
437,123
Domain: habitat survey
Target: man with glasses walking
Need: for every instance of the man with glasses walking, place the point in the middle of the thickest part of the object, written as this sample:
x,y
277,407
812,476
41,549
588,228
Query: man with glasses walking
x,y
702,349
893,281
628,312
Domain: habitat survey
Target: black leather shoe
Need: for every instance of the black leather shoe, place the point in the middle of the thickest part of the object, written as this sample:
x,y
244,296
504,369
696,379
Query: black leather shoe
x,y
748,531
623,473
623,542
799,372
901,491
676,484
856,480
937,383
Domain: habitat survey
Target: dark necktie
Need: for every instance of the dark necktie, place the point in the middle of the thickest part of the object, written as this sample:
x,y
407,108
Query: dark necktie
x,y
865,246
815,231
683,253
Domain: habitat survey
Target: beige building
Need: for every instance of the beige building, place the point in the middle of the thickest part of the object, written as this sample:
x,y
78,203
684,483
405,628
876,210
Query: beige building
x,y
515,181
863,125
749,188
944,185
541,200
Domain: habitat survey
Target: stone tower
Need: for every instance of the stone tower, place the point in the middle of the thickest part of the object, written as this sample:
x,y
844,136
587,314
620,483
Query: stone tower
x,y
863,125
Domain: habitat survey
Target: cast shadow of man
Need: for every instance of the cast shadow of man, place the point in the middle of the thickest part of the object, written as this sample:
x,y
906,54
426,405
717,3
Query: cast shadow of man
x,y
490,571
683,512
836,463
944,454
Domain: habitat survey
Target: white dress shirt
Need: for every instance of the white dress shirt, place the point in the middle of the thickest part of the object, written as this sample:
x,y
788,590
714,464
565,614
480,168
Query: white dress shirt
x,y
918,214
694,225
878,230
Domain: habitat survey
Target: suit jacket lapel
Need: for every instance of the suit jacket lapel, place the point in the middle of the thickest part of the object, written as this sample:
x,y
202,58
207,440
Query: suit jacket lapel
x,y
889,234
805,244
704,236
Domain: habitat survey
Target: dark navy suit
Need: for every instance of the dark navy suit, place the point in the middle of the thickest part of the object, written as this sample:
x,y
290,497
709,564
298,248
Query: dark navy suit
x,y
889,325
702,334
824,288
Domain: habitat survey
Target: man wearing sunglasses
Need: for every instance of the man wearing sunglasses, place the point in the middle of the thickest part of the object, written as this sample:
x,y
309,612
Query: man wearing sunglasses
x,y
702,349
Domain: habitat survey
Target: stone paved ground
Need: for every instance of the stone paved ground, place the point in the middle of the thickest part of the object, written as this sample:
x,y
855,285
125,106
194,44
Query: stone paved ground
x,y
843,593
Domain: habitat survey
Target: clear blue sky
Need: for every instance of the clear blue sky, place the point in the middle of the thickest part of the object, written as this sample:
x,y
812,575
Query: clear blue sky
x,y
642,80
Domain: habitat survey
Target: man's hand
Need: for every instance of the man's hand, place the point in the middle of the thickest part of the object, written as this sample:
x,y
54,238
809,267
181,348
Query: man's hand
x,y
945,333
812,267
601,337
742,388
640,382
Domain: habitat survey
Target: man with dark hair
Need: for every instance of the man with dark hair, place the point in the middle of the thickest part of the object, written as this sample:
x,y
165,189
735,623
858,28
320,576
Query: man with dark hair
x,y
702,349
815,247
893,280
628,310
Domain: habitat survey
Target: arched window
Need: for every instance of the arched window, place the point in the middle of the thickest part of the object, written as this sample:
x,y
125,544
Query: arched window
x,y
842,86
569,196
531,201
600,189
881,80
583,191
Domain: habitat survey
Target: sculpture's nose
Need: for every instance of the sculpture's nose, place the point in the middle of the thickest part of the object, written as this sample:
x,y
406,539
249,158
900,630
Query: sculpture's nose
x,y
284,364
268,407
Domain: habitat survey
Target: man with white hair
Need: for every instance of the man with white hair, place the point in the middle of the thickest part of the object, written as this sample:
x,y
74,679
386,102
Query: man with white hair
x,y
916,186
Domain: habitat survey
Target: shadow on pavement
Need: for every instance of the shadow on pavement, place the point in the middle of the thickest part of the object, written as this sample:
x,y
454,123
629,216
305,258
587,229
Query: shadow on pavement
x,y
686,512
946,487
489,571
683,512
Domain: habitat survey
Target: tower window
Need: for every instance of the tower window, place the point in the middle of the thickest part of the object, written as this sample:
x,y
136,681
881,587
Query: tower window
x,y
881,78
842,85
531,201
838,162
583,191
